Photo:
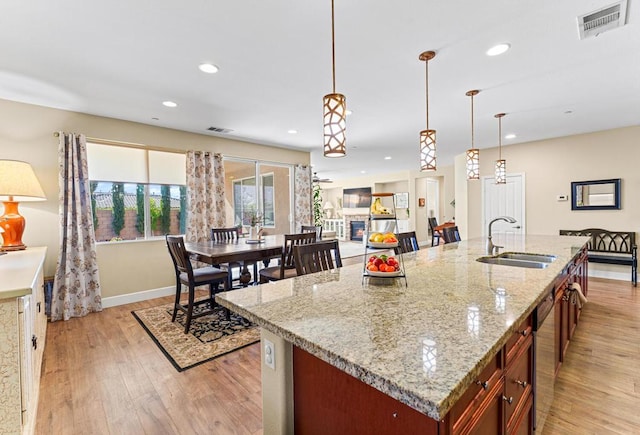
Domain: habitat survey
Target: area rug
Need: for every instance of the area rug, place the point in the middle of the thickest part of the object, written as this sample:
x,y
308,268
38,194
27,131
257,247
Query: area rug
x,y
209,336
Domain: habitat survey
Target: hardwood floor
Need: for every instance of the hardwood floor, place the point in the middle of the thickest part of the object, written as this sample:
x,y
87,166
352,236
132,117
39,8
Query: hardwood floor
x,y
102,374
598,388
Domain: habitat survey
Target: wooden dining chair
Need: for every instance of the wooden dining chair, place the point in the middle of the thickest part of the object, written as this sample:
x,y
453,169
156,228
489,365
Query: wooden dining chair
x,y
286,267
435,234
192,278
316,257
407,242
312,229
450,234
231,235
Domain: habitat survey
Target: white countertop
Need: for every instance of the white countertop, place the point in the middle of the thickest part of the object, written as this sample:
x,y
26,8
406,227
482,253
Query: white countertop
x,y
422,344
18,270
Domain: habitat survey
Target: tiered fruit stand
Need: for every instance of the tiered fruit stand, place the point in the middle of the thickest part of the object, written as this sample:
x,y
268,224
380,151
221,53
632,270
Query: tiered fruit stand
x,y
382,219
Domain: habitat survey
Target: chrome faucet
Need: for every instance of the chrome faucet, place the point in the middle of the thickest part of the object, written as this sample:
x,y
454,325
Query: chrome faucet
x,y
491,248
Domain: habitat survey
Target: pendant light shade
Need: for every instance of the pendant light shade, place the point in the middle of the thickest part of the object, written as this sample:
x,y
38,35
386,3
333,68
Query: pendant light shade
x,y
334,110
473,154
501,164
427,136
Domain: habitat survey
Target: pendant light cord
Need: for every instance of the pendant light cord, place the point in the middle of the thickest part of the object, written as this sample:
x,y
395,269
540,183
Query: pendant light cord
x,y
472,135
500,138
333,49
426,82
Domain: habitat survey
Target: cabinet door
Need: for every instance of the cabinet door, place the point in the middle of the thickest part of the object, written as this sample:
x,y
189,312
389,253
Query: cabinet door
x,y
489,417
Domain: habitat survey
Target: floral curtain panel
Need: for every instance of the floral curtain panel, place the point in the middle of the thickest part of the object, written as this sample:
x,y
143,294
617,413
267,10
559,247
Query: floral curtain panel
x,y
205,195
76,288
302,196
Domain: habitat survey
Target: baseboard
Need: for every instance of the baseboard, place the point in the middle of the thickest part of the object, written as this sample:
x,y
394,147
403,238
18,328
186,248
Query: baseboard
x,y
113,301
607,274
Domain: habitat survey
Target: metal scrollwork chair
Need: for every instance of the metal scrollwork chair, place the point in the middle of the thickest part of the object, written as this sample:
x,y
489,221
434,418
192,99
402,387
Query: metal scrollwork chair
x,y
192,278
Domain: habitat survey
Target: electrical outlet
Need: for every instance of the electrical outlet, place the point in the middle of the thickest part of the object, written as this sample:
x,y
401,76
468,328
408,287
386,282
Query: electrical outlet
x,y
269,354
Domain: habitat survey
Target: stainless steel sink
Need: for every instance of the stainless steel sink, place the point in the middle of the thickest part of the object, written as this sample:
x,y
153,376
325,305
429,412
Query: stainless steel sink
x,y
513,262
543,258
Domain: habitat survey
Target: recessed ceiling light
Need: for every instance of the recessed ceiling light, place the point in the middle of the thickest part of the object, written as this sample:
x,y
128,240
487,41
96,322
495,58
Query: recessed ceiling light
x,y
510,136
387,158
208,68
155,119
292,131
568,112
169,104
498,49
363,172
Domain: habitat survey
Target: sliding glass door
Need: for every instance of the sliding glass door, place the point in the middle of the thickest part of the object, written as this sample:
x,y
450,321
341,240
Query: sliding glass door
x,y
259,191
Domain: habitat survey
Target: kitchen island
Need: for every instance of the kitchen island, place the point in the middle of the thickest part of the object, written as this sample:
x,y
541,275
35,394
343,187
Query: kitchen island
x,y
423,345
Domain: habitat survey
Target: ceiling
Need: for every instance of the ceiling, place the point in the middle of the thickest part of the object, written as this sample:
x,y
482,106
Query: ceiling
x,y
123,58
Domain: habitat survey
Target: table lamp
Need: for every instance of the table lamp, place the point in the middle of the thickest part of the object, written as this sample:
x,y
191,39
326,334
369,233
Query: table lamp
x,y
328,207
18,183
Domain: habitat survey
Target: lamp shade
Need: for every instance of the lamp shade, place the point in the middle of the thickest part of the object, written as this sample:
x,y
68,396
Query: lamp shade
x,y
328,206
18,182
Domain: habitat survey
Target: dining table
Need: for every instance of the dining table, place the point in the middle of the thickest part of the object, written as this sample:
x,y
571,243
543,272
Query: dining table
x,y
242,250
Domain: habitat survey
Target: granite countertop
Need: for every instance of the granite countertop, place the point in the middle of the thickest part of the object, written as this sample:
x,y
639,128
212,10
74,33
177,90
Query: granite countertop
x,y
422,344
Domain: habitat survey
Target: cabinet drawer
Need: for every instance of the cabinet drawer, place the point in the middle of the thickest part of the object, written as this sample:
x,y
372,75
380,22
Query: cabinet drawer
x,y
476,393
518,378
520,336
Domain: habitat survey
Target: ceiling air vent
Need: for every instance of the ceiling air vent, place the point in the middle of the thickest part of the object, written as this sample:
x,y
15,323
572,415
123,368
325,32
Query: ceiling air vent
x,y
220,130
602,20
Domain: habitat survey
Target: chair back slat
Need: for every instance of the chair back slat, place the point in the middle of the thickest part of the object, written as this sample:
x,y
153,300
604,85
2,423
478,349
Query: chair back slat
x,y
312,229
224,234
179,255
316,257
407,242
291,240
451,234
433,222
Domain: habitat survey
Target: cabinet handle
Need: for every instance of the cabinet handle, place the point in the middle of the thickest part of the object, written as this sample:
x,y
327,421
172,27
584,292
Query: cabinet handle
x,y
38,305
484,384
509,400
34,342
521,383
524,332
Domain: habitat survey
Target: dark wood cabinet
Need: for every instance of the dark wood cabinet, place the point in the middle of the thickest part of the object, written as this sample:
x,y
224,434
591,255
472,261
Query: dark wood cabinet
x,y
567,313
501,398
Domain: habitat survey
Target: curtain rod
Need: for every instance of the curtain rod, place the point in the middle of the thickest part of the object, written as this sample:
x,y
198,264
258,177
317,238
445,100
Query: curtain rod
x,y
128,144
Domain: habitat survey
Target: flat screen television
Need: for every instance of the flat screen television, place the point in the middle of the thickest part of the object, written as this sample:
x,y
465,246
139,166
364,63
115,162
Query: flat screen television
x,y
356,198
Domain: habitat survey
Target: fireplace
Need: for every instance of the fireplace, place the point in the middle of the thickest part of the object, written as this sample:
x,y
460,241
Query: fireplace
x,y
357,230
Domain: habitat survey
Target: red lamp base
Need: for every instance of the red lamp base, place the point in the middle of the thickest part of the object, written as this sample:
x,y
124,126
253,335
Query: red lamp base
x,y
13,225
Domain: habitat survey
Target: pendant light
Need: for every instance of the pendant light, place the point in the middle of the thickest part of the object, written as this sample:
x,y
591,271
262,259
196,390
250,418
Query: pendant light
x,y
473,154
427,137
501,164
334,111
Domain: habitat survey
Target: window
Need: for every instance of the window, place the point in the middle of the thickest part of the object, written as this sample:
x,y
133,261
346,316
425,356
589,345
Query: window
x,y
258,188
245,201
136,193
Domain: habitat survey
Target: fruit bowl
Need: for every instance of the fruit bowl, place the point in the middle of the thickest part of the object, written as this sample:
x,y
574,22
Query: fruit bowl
x,y
382,245
381,274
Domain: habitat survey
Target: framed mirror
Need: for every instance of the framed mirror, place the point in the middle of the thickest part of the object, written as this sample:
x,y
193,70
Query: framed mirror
x,y
595,195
